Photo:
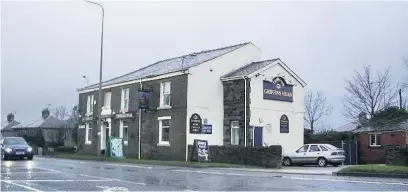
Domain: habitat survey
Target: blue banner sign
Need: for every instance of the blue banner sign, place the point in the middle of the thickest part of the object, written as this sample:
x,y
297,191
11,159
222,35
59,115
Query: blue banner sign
x,y
206,129
277,91
144,100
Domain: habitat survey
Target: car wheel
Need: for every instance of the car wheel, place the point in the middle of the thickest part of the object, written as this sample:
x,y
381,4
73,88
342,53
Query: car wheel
x,y
322,162
287,161
3,157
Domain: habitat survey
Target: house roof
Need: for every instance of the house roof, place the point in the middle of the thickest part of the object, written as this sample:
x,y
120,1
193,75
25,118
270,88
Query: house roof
x,y
248,69
347,127
170,65
49,122
396,127
8,126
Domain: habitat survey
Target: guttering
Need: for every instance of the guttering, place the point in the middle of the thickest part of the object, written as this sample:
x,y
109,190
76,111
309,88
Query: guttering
x,y
140,123
245,109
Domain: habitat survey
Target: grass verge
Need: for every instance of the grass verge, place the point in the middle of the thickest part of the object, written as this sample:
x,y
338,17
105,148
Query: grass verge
x,y
147,162
382,169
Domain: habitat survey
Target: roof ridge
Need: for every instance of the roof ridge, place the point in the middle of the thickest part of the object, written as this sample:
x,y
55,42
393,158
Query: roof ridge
x,y
204,51
249,64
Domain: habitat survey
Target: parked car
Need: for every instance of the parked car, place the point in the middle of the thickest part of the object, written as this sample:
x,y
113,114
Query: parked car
x,y
15,147
320,154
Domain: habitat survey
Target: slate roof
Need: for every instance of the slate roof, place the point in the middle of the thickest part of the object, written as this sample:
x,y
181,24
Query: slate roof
x,y
49,122
248,69
347,127
170,65
8,126
398,127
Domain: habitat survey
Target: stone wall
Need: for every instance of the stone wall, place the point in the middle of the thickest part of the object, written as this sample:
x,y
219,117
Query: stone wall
x,y
234,109
270,157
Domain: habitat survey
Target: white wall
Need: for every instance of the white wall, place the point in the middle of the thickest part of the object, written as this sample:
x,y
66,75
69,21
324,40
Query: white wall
x,y
205,90
270,111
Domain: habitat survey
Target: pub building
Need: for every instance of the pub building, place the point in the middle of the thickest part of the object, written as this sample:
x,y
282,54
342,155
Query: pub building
x,y
160,109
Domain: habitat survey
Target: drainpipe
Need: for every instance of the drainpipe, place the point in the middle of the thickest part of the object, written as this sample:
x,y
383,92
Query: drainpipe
x,y
140,123
245,110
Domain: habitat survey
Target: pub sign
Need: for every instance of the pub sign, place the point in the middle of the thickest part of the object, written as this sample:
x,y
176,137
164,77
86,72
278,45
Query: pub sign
x,y
277,90
195,123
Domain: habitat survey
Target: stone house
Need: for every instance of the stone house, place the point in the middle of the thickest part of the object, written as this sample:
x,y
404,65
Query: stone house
x,y
6,128
372,142
160,109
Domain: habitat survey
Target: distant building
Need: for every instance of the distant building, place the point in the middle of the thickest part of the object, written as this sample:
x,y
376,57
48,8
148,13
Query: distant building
x,y
6,128
226,96
347,127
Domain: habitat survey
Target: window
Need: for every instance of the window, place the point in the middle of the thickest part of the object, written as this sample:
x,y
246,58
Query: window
x,y
303,149
165,94
324,148
125,100
123,131
164,130
375,140
89,105
314,148
234,133
107,99
88,133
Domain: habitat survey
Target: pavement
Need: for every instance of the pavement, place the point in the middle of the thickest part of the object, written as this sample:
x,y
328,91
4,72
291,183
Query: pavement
x,y
51,174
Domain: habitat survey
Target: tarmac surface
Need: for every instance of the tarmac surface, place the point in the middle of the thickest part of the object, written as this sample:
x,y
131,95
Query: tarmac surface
x,y
49,174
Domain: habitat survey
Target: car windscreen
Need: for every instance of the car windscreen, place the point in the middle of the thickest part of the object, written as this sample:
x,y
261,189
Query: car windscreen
x,y
331,146
14,141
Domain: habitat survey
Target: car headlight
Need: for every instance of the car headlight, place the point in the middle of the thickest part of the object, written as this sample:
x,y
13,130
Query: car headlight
x,y
8,150
29,149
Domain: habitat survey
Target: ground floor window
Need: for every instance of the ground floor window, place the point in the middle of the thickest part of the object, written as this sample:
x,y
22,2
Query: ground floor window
x,y
164,130
375,140
234,133
88,133
123,131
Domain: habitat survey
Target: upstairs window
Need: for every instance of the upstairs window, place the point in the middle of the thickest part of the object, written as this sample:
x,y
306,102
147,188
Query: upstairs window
x,y
125,100
165,94
90,103
107,99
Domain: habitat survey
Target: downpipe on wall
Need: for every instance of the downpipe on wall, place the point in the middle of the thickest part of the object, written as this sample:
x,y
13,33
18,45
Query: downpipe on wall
x,y
140,124
245,110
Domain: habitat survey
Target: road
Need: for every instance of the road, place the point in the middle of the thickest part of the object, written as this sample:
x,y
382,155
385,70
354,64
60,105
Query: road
x,y
48,174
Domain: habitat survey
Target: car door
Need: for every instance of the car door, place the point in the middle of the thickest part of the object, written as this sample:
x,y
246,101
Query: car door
x,y
300,156
313,154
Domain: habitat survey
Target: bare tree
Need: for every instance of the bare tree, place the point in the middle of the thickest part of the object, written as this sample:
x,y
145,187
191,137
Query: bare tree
x,y
61,112
315,109
367,93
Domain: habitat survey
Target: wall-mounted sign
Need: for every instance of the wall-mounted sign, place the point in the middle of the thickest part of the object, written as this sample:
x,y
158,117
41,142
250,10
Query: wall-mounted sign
x,y
206,129
268,128
277,90
124,115
81,126
195,123
90,118
144,99
284,124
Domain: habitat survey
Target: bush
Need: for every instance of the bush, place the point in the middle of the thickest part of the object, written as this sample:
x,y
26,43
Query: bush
x,y
270,157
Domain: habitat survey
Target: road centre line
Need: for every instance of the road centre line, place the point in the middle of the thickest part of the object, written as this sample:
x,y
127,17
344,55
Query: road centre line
x,y
113,179
28,172
53,180
295,178
133,166
19,185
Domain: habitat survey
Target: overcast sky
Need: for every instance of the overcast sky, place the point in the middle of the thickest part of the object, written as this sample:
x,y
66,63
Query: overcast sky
x,y
46,47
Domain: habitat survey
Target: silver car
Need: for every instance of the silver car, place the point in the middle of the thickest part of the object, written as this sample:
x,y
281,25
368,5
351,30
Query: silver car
x,y
320,154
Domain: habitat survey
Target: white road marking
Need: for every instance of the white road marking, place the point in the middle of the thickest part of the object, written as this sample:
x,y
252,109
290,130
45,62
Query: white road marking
x,y
19,185
124,165
53,180
46,169
113,179
296,178
108,189
28,172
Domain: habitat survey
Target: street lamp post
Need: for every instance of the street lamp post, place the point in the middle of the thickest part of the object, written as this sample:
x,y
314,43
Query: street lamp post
x,y
99,108
87,80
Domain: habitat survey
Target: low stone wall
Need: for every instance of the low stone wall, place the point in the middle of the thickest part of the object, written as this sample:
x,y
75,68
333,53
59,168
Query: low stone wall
x,y
396,155
270,157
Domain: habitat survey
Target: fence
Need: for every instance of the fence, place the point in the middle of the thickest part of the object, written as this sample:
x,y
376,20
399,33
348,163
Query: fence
x,y
396,155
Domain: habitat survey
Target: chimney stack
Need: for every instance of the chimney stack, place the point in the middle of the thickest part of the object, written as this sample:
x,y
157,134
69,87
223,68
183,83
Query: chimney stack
x,y
45,113
10,117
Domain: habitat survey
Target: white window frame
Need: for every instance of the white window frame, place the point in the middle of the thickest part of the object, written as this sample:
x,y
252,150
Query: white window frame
x,y
377,136
162,93
105,104
160,119
89,104
124,99
88,126
234,128
121,131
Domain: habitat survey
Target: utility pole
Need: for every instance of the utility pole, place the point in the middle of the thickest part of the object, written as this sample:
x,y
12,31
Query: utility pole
x,y
99,101
400,98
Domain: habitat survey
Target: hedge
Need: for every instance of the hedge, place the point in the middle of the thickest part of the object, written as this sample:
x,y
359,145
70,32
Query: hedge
x,y
270,157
